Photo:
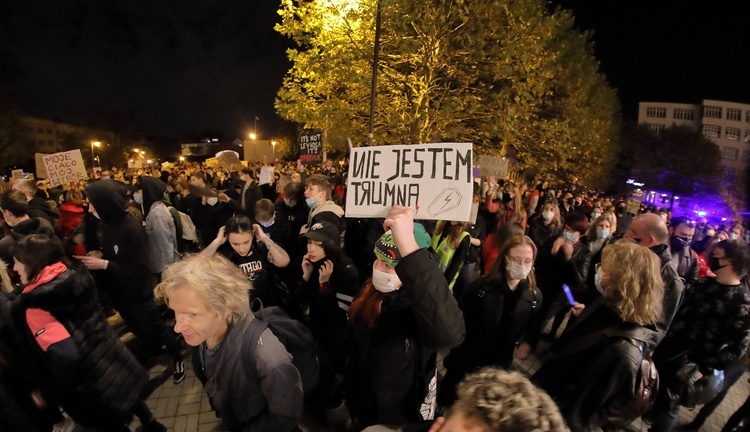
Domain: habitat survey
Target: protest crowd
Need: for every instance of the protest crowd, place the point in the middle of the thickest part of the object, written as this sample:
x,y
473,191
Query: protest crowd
x,y
289,312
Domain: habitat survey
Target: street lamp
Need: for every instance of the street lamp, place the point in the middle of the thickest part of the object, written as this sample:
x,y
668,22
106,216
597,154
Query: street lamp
x,y
94,144
252,137
273,146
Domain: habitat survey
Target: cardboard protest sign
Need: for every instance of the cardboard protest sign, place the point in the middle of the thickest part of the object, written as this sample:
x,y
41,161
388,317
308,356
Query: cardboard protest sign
x,y
65,167
434,179
30,176
311,147
266,175
633,206
213,163
17,174
492,166
229,160
41,171
135,164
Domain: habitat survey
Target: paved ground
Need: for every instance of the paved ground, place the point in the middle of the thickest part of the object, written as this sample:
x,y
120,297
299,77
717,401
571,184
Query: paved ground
x,y
185,407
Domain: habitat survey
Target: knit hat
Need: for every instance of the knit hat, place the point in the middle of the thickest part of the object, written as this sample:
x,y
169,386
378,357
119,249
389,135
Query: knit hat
x,y
386,249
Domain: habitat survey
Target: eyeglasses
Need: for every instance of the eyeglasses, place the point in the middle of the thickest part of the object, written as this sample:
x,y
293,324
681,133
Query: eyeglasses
x,y
520,261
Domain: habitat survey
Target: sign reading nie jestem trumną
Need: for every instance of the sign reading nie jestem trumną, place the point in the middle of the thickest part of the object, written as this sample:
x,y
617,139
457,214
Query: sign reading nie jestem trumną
x,y
434,179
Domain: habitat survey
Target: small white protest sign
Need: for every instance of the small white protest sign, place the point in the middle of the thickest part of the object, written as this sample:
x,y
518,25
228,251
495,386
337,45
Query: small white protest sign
x,y
17,174
65,167
434,179
266,175
492,166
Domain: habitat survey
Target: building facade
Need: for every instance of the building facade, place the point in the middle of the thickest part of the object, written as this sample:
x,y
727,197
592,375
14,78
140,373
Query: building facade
x,y
47,136
726,123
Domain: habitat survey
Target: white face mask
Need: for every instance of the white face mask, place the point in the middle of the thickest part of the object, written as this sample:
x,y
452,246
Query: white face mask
x,y
212,201
518,271
385,282
598,281
594,215
548,215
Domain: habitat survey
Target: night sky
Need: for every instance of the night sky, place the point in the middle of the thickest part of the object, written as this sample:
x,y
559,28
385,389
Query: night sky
x,y
178,68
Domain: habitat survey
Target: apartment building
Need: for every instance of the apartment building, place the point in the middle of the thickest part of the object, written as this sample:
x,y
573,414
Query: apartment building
x,y
46,136
726,123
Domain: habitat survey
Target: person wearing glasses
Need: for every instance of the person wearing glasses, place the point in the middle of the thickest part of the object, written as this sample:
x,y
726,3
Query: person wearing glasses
x,y
497,310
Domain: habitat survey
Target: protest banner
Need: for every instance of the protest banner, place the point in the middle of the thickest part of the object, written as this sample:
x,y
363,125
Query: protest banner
x,y
213,163
17,174
311,147
135,164
41,171
492,166
633,206
266,175
434,179
229,160
65,167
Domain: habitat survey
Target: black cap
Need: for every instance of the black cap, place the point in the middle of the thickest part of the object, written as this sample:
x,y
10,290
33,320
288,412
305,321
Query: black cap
x,y
322,231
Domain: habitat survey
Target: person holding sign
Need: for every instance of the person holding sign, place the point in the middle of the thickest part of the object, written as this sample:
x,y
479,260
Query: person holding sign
x,y
404,314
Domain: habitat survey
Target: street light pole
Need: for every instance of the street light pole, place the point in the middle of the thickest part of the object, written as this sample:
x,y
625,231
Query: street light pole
x,y
97,144
373,86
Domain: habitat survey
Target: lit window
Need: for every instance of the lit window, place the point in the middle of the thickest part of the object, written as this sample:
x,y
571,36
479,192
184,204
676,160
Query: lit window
x,y
656,112
734,114
712,112
730,153
732,134
712,131
683,114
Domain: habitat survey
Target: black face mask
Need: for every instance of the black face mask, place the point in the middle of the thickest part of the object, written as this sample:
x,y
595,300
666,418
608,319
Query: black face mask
x,y
714,265
570,201
679,243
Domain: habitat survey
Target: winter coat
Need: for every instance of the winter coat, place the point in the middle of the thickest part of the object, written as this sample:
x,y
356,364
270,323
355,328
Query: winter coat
x,y
592,386
122,241
391,366
270,400
108,378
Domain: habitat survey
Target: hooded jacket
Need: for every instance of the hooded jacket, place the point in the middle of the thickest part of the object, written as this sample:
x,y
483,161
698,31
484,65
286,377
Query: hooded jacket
x,y
122,241
160,228
108,378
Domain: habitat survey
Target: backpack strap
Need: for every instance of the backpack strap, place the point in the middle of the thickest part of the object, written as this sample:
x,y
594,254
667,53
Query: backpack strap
x,y
255,328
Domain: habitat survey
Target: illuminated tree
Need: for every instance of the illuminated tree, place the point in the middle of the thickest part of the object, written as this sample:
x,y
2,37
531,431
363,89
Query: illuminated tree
x,y
496,73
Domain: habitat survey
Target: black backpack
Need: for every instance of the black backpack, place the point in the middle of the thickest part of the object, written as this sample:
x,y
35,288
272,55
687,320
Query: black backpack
x,y
647,384
294,335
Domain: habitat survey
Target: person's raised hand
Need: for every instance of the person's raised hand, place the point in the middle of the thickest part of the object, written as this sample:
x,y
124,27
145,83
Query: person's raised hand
x,y
400,221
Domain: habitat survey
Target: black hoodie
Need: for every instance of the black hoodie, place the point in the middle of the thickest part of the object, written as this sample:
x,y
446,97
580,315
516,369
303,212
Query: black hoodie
x,y
152,190
122,240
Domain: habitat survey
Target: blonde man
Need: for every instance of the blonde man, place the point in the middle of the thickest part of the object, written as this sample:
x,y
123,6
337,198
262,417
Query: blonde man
x,y
209,297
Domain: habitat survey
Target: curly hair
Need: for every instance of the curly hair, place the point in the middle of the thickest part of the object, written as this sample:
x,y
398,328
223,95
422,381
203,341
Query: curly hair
x,y
507,401
635,286
215,279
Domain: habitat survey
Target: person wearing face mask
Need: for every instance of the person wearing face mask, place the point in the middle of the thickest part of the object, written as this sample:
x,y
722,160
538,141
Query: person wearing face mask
x,y
318,196
596,362
597,238
400,319
681,232
211,213
497,309
564,260
711,328
160,228
567,204
545,224
737,232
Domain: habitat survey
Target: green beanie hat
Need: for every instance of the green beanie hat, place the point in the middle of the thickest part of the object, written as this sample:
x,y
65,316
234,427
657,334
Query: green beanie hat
x,y
386,249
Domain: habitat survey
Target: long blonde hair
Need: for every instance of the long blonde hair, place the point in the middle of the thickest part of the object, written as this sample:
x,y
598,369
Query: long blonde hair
x,y
634,287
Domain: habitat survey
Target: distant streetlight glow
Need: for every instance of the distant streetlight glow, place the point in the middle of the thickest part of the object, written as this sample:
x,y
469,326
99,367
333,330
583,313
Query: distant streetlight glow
x,y
253,136
94,144
273,146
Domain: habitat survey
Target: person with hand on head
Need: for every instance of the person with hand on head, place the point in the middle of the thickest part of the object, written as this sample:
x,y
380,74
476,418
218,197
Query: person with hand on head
x,y
248,247
328,285
402,316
